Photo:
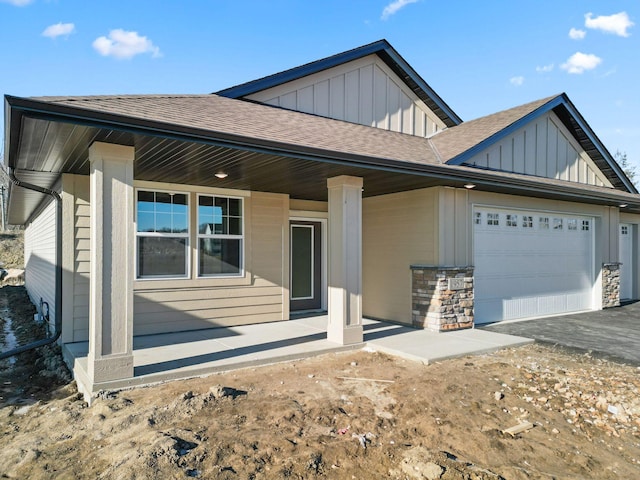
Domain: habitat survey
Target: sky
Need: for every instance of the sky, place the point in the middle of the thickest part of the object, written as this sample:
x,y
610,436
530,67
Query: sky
x,y
479,56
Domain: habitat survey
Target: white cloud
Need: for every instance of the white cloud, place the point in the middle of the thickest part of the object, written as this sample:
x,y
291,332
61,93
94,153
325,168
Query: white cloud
x,y
545,68
58,29
517,81
579,62
394,6
122,44
616,24
577,34
18,3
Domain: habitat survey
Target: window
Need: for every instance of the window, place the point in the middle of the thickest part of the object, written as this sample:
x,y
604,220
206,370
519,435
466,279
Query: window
x,y
543,223
162,236
512,220
493,219
478,218
624,229
527,221
220,236
557,224
572,224
586,225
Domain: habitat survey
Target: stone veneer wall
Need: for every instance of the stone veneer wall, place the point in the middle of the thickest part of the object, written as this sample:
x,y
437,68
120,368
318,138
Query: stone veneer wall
x,y
438,303
610,285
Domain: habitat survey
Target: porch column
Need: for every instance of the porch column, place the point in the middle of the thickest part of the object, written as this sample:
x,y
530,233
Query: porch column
x,y
112,263
345,260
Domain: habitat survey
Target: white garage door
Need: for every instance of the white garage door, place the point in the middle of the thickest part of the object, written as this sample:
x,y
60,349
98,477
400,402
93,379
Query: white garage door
x,y
626,257
531,264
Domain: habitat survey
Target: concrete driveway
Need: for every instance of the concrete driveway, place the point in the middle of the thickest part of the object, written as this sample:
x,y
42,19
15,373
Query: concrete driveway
x,y
613,333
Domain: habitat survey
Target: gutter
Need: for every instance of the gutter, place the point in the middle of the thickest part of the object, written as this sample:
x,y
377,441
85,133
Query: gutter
x,y
58,275
455,173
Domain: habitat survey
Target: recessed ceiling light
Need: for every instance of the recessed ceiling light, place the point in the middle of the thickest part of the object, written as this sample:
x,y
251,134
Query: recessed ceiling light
x,y
469,186
623,205
221,175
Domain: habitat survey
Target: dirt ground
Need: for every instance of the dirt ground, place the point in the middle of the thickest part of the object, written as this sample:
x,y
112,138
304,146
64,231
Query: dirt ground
x,y
359,415
12,249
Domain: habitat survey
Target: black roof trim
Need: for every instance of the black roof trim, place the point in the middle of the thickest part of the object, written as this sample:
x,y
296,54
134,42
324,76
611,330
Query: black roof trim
x,y
383,49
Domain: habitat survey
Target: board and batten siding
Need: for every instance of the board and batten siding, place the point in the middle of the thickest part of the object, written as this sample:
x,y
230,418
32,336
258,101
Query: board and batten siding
x,y
543,148
40,257
364,91
398,230
75,258
261,296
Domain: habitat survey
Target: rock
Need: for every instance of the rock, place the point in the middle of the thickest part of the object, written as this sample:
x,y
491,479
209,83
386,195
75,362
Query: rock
x,y
498,395
218,391
432,471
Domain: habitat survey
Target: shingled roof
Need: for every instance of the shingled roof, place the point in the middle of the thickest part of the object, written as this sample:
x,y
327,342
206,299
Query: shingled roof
x,y
212,115
381,48
457,144
454,141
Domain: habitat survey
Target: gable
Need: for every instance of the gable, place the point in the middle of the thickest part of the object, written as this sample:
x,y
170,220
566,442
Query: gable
x,y
545,148
364,91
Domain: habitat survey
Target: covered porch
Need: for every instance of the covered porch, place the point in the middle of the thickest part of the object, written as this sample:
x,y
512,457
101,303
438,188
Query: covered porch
x,y
172,356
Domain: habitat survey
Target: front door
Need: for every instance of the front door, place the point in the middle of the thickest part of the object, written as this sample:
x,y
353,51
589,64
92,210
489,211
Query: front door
x,y
306,272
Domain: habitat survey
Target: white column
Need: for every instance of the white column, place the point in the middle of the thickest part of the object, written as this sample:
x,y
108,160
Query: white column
x,y
112,263
345,260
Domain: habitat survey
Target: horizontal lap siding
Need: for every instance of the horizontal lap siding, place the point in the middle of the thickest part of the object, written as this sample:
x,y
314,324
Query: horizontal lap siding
x,y
40,258
81,257
190,308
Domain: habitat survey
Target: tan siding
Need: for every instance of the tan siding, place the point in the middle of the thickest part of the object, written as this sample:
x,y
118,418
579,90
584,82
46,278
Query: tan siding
x,y
545,149
364,91
76,244
398,230
365,106
40,257
191,307
308,205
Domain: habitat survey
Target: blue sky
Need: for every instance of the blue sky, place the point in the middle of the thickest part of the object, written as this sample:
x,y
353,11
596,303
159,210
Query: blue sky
x,y
480,57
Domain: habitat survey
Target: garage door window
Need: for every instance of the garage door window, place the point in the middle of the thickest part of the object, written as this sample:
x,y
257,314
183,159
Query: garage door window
x,y
493,219
572,224
543,223
512,220
478,218
586,225
527,221
557,224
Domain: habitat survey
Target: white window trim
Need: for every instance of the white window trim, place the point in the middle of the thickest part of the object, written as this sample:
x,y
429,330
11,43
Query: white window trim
x,y
187,235
220,235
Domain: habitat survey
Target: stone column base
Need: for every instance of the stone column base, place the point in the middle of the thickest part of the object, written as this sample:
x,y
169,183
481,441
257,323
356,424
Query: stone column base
x,y
442,297
611,285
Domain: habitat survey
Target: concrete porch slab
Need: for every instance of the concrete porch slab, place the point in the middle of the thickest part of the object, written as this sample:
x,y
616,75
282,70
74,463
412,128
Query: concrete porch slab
x,y
164,357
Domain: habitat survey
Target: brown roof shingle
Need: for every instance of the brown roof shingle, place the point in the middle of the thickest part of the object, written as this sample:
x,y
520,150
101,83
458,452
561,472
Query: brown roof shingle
x,y
453,141
213,114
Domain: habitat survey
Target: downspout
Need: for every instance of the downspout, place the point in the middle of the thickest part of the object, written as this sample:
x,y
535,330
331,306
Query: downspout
x,y
58,274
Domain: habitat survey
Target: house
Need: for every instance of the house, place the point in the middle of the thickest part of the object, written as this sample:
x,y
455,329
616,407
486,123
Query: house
x,y
346,184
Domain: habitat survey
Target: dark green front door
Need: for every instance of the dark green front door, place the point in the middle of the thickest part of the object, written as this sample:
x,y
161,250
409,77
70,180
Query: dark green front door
x,y
306,268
